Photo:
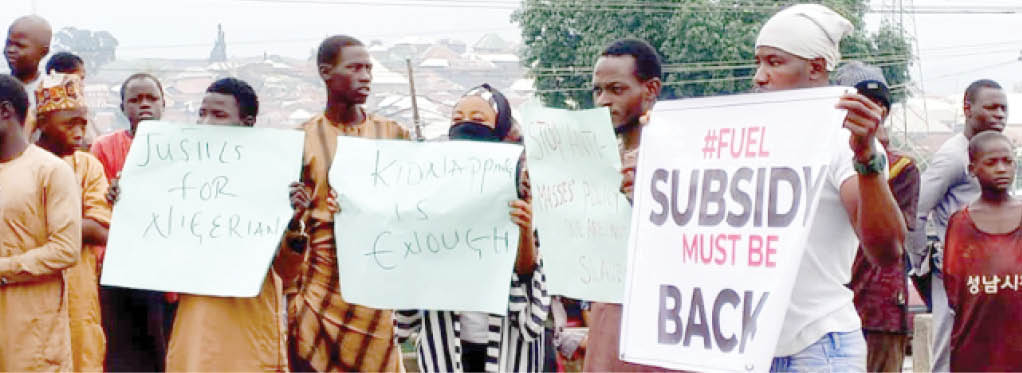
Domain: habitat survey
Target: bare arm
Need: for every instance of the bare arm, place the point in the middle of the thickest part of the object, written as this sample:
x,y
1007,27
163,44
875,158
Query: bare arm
x,y
295,242
94,233
867,198
876,217
521,214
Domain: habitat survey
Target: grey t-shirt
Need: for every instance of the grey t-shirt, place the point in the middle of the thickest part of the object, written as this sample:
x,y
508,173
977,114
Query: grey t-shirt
x,y
945,187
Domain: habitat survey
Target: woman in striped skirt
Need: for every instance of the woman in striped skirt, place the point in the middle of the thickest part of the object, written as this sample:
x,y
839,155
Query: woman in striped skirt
x,y
448,341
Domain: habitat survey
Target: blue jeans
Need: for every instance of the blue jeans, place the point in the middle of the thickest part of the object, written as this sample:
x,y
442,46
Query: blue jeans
x,y
835,352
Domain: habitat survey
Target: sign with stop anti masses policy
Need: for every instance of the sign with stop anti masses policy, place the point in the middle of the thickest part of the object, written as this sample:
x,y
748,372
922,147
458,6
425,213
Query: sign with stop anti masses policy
x,y
582,217
725,195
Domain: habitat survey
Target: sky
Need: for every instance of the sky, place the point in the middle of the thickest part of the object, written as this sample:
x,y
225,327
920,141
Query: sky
x,y
957,49
188,28
954,49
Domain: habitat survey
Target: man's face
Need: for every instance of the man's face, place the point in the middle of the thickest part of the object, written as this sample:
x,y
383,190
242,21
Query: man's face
x,y
988,111
351,76
777,70
994,166
23,51
142,101
616,87
220,109
65,128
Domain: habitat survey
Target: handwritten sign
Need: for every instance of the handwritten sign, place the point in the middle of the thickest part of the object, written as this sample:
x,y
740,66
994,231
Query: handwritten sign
x,y
202,208
580,214
726,191
425,225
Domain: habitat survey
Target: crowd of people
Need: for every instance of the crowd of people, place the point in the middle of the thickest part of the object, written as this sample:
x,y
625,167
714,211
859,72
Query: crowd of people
x,y
848,309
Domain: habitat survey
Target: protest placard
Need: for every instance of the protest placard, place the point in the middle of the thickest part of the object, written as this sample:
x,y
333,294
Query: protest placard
x,y
425,225
202,208
725,195
580,214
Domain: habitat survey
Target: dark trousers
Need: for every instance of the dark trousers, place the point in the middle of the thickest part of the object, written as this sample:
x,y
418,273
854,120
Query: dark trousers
x,y
137,326
885,351
473,357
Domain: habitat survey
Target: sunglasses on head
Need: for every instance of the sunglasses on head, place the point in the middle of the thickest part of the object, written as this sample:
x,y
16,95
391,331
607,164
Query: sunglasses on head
x,y
486,94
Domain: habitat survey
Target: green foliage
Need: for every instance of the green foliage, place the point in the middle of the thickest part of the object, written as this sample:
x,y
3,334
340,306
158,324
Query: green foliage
x,y
707,45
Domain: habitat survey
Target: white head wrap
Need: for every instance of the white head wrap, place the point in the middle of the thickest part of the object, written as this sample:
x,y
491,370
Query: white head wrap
x,y
809,31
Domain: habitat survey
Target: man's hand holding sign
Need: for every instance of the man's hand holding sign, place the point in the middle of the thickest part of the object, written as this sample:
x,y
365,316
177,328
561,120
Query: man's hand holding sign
x,y
808,321
868,200
582,218
720,226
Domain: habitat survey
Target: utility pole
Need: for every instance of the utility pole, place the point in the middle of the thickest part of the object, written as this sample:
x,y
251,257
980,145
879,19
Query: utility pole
x,y
904,104
415,103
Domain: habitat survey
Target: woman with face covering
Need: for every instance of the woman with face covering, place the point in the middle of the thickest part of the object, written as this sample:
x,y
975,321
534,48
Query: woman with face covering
x,y
473,341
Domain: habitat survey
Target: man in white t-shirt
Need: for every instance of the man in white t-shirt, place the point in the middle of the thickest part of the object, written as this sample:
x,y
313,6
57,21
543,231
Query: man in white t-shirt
x,y
798,48
28,41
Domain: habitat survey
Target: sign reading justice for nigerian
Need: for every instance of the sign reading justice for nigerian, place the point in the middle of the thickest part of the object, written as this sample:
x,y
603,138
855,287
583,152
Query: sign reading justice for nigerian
x,y
202,208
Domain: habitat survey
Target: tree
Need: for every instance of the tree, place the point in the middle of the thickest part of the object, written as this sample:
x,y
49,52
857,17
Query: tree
x,y
95,48
707,45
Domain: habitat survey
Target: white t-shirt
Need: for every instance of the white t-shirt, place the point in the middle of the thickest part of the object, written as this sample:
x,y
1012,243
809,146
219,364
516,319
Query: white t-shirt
x,y
475,327
30,90
820,301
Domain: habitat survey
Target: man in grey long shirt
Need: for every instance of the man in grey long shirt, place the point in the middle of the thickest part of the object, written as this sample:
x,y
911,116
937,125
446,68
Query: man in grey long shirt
x,y
946,188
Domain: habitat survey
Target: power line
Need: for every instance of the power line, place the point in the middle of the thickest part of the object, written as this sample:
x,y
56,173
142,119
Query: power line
x,y
674,83
865,56
654,8
647,7
401,3
981,68
887,60
977,45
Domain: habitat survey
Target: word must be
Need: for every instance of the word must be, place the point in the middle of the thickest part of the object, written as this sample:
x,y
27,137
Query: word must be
x,y
719,249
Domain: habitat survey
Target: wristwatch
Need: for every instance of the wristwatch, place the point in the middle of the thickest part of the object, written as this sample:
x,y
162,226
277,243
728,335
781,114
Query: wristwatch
x,y
875,165
296,237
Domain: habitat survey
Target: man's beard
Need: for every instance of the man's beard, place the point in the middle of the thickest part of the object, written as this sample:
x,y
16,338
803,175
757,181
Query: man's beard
x,y
628,127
